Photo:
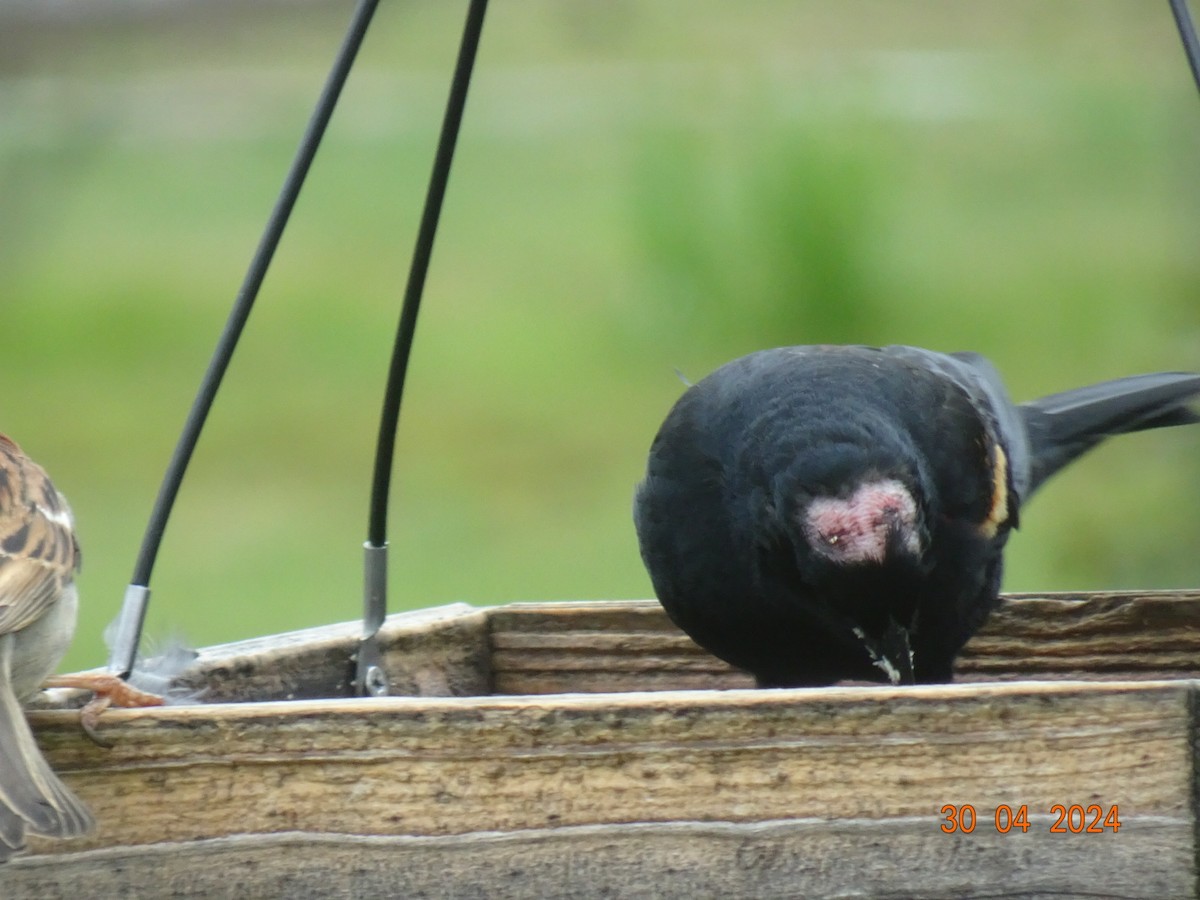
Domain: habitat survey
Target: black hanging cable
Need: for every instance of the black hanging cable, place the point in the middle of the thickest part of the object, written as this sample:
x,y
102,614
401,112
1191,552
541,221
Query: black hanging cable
x,y
1187,32
371,679
137,595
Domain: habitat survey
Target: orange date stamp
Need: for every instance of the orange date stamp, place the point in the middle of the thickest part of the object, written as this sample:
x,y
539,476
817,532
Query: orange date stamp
x,y
1068,819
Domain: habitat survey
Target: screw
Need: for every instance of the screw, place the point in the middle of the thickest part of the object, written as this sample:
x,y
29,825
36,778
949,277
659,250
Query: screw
x,y
375,682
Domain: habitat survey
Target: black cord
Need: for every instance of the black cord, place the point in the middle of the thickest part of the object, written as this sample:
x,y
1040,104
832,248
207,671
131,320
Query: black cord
x,y
130,622
385,448
1187,32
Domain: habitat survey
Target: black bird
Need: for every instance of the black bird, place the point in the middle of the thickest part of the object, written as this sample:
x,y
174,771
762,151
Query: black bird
x,y
824,513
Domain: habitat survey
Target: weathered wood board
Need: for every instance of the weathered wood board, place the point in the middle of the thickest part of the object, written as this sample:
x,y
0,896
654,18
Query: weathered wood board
x,y
551,647
582,785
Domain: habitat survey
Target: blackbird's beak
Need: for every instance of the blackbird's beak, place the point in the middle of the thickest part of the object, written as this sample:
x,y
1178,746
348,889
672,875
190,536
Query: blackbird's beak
x,y
892,653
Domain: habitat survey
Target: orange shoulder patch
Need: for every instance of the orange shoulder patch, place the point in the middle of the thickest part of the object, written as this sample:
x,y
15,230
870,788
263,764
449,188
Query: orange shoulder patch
x,y
998,511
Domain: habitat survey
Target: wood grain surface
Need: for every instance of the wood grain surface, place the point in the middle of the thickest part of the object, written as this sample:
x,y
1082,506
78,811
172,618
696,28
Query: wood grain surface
x,y
631,763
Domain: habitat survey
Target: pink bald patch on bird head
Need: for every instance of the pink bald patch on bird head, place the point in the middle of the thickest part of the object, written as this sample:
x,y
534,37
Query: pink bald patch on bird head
x,y
879,517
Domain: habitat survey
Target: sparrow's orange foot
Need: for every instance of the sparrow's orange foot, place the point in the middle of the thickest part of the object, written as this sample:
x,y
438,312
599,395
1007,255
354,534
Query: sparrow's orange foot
x,y
109,690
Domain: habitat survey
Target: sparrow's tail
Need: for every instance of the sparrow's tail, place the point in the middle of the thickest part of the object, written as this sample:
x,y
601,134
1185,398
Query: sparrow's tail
x,y
1064,426
31,796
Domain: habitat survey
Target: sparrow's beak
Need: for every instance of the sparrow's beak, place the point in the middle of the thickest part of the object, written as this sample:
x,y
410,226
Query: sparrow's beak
x,y
892,653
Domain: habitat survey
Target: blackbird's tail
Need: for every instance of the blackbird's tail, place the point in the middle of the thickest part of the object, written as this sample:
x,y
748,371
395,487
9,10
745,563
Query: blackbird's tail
x,y
1064,426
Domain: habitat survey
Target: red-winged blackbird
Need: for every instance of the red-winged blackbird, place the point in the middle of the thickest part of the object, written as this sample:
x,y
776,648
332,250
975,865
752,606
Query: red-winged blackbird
x,y
816,514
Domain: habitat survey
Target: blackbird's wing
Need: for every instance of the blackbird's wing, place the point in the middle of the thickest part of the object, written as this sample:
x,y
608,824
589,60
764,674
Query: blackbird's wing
x,y
979,380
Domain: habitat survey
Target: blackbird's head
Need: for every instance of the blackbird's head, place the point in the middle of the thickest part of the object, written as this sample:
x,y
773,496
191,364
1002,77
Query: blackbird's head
x,y
875,522
866,544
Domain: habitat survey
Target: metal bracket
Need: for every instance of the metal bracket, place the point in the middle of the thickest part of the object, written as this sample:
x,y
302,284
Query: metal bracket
x,y
371,678
127,634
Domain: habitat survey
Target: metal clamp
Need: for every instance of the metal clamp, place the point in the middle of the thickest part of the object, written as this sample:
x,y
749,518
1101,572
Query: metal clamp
x,y
371,678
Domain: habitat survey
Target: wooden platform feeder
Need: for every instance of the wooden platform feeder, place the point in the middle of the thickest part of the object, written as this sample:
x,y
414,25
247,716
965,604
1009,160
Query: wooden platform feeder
x,y
591,750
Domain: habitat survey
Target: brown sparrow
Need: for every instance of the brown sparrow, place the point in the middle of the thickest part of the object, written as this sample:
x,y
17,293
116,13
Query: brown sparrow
x,y
38,560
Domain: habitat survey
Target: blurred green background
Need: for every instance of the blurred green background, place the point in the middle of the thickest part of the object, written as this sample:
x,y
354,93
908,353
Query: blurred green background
x,y
640,186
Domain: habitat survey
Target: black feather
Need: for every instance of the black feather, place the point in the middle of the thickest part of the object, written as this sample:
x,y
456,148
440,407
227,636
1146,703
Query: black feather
x,y
1062,427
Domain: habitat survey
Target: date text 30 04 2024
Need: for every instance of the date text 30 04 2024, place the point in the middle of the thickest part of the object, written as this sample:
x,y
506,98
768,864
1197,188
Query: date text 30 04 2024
x,y
1068,819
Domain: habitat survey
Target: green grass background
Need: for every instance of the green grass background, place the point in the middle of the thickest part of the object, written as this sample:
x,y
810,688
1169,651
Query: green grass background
x,y
640,186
